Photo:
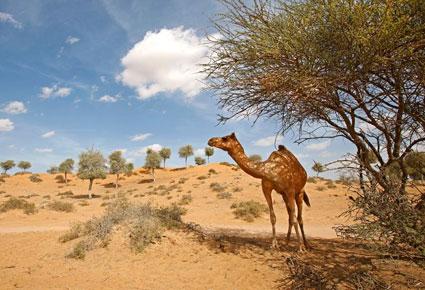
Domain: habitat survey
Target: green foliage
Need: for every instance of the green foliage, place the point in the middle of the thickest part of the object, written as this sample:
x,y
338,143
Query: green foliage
x,y
415,162
129,168
318,168
153,160
117,163
91,165
24,165
165,154
16,203
185,152
66,166
7,165
255,157
199,160
248,210
209,151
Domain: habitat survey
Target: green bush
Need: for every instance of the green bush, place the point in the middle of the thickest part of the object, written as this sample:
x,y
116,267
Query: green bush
x,y
248,210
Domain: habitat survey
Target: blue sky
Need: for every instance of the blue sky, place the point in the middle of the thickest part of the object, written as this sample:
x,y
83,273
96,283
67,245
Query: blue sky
x,y
115,75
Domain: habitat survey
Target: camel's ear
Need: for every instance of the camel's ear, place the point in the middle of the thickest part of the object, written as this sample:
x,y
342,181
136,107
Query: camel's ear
x,y
233,135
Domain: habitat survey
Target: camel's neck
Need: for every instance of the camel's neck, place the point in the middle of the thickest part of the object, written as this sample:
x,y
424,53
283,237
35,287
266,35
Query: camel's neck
x,y
251,167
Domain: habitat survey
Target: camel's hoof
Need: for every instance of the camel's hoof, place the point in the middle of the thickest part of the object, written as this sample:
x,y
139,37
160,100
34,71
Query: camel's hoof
x,y
302,248
275,245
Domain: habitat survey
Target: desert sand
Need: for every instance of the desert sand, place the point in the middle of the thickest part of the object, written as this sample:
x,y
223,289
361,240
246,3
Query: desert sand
x,y
237,257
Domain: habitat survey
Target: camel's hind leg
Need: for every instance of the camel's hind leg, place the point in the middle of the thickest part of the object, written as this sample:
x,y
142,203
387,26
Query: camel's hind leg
x,y
286,201
299,201
292,220
267,191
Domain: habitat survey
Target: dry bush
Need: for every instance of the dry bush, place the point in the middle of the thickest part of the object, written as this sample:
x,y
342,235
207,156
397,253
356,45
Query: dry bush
x,y
215,186
202,177
183,180
144,223
66,193
345,179
16,203
212,171
185,199
330,184
35,178
311,180
61,206
224,195
320,188
248,210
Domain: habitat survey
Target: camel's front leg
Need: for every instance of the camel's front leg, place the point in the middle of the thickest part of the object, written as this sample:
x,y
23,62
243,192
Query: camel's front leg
x,y
267,190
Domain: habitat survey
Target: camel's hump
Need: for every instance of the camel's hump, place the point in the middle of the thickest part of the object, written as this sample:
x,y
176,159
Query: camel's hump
x,y
282,148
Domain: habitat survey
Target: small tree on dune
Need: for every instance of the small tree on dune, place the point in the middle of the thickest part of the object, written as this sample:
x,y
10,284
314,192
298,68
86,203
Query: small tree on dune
x,y
152,161
185,152
129,167
255,158
318,168
24,165
91,166
117,165
199,160
66,167
165,153
7,165
209,151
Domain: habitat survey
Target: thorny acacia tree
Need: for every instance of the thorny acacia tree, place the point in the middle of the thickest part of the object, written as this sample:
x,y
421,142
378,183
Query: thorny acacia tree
x,y
351,69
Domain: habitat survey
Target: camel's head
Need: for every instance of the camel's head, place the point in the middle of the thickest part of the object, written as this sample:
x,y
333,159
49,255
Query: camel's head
x,y
225,143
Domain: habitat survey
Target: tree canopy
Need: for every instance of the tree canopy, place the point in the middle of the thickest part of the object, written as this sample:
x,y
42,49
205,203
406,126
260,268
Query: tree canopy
x,y
209,151
91,166
7,165
165,153
185,152
24,165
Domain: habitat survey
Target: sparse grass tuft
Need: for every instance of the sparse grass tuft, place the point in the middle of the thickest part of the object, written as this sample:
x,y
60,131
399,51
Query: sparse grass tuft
x,y
320,188
66,193
224,195
16,203
248,210
35,178
186,199
183,180
202,177
61,206
237,189
215,186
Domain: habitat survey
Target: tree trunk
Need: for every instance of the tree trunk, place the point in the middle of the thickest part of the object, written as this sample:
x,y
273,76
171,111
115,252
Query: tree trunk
x,y
90,187
208,159
153,174
66,178
164,163
186,161
116,182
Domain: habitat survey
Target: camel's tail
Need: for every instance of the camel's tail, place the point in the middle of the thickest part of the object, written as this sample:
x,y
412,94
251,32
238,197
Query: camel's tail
x,y
306,200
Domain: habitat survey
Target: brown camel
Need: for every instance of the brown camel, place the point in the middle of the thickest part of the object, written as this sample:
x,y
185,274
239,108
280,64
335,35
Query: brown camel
x,y
281,172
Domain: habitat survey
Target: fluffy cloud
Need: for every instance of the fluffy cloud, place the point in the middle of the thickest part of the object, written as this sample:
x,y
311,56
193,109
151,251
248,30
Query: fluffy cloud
x,y
6,125
318,146
48,134
140,137
15,108
108,99
55,91
43,150
199,152
165,61
8,18
72,39
268,141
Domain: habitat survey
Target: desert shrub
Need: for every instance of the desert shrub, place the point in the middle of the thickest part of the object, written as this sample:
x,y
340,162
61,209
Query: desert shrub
x,y
84,203
66,193
224,195
226,163
320,188
248,210
16,203
185,199
61,206
345,179
215,186
183,180
35,178
237,189
144,223
312,180
330,184
202,177
212,171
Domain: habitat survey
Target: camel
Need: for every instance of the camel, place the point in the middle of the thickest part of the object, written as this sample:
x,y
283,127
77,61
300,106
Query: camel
x,y
281,172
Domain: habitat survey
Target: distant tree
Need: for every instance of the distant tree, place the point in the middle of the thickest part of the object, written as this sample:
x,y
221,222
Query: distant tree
x,y
185,152
318,168
165,153
209,151
153,161
129,167
255,158
53,170
7,165
66,167
199,160
24,165
117,165
415,162
91,166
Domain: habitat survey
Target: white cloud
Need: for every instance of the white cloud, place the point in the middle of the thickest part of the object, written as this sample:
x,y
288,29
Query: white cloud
x,y
55,91
48,134
6,125
268,141
108,99
199,152
142,151
72,39
15,108
8,18
318,146
140,137
43,150
165,61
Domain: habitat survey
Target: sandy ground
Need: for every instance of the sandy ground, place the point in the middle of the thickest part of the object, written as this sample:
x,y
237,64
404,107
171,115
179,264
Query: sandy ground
x,y
32,257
